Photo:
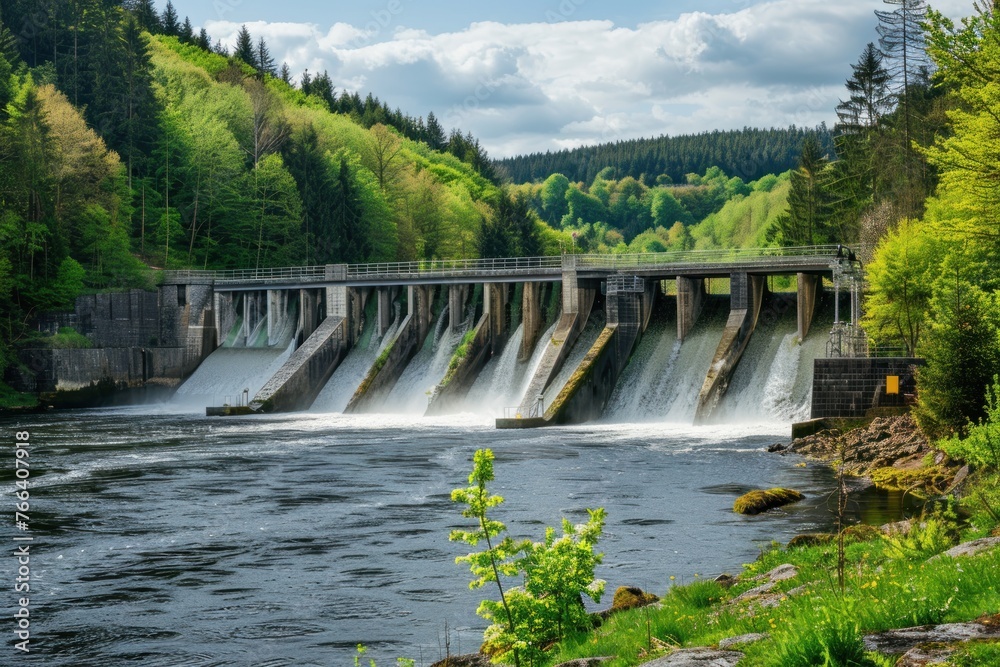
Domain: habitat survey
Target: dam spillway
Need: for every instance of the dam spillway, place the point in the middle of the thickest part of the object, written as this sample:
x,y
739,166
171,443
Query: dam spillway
x,y
533,341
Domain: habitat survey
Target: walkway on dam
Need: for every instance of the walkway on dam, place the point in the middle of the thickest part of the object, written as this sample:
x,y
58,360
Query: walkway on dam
x,y
700,263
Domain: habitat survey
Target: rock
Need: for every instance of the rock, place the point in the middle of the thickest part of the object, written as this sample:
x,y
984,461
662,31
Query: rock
x,y
927,654
751,638
887,441
465,660
798,590
901,641
776,447
759,501
897,527
630,597
960,477
781,573
697,657
971,548
586,662
810,540
725,580
755,592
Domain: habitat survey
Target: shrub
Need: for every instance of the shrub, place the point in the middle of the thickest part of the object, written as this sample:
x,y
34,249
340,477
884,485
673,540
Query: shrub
x,y
557,573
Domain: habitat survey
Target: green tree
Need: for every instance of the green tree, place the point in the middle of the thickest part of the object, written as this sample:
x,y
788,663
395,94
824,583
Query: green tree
x,y
245,49
145,15
264,63
666,210
808,218
553,196
278,213
557,573
900,278
170,21
961,348
860,124
496,561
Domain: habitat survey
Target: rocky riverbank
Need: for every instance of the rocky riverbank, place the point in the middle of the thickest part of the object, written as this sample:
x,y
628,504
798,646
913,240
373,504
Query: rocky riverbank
x,y
891,451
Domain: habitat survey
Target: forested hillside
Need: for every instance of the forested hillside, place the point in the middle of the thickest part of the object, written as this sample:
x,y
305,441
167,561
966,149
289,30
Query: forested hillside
x,y
123,150
749,153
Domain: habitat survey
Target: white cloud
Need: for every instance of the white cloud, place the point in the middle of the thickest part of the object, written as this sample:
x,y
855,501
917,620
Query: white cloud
x,y
537,86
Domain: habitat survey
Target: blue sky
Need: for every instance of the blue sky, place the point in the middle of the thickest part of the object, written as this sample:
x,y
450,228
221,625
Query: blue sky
x,y
532,76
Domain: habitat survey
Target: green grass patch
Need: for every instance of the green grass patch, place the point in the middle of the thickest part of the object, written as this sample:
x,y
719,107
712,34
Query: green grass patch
x,y
68,338
11,398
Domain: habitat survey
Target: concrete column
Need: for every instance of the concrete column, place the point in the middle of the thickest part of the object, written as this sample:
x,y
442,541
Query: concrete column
x,y
277,313
419,300
531,319
457,296
384,311
690,300
308,312
808,292
495,299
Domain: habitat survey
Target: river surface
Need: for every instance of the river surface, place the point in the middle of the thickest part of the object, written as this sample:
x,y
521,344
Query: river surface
x,y
173,539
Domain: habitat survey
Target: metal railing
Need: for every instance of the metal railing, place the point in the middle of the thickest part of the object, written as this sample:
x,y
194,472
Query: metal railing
x,y
455,267
501,266
744,256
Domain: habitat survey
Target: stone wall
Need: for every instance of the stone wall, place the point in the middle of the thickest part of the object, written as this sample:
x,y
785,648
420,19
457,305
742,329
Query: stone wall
x,y
850,387
140,340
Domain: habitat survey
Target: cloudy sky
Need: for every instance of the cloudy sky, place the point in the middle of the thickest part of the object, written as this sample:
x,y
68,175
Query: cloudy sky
x,y
527,76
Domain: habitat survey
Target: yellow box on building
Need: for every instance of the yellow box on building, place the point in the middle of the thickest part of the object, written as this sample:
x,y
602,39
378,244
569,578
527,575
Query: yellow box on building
x,y
892,384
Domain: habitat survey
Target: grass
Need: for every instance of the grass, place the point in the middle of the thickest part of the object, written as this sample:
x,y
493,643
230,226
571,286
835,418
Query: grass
x,y
11,398
68,338
891,582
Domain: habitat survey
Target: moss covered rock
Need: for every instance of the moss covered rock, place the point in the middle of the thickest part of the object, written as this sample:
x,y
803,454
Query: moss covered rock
x,y
630,597
759,501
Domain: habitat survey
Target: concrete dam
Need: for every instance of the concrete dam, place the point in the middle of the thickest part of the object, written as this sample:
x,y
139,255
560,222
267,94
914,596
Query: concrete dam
x,y
536,341
695,336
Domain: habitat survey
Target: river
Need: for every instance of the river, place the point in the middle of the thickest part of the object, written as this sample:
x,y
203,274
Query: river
x,y
167,538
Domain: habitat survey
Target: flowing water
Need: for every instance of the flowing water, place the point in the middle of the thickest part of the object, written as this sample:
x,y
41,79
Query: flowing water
x,y
425,371
288,540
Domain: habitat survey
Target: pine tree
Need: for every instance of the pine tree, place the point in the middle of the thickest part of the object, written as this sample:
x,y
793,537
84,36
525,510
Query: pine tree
x,y
171,25
860,133
436,138
245,50
285,74
264,61
146,15
186,32
203,40
808,217
901,38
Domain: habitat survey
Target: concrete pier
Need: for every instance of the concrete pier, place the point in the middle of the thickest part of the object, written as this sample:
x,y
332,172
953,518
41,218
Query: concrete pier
x,y
301,378
690,300
391,363
808,294
746,295
629,307
577,302
487,339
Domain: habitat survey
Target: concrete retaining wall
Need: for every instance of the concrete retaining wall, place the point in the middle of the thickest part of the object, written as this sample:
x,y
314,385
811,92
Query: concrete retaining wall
x,y
851,387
